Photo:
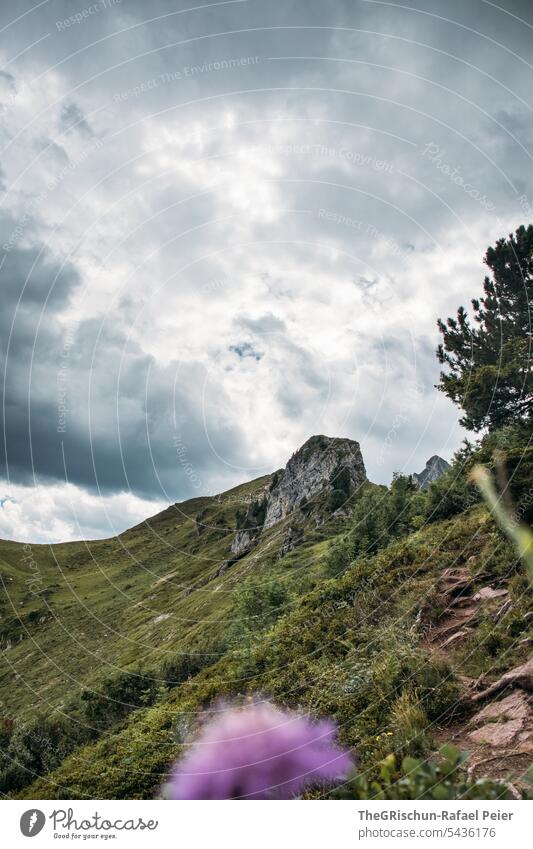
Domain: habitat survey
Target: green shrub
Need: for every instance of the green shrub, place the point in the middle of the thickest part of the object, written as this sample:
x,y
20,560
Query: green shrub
x,y
252,518
341,485
441,779
259,602
380,515
337,498
38,747
114,698
339,558
453,492
180,667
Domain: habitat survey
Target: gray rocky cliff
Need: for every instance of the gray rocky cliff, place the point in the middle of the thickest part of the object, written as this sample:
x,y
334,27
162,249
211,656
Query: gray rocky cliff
x,y
242,542
434,468
322,464
312,469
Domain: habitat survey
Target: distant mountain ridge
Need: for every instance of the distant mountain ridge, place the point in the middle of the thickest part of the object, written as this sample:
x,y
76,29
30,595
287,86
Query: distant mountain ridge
x,y
434,468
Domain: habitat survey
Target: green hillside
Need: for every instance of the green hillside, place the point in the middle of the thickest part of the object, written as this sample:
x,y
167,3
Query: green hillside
x,y
76,610
91,631
108,663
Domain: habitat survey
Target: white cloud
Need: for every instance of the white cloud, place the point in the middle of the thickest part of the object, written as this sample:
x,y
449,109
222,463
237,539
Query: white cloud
x,y
66,512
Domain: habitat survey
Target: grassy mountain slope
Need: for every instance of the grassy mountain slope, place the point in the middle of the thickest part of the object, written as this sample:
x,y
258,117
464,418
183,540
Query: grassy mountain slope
x,y
91,631
75,609
354,647
391,617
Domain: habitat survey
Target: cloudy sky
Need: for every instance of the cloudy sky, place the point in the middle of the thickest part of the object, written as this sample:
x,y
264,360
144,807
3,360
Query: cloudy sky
x,y
225,227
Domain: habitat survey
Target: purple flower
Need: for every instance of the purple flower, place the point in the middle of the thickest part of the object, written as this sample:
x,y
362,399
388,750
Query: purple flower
x,y
259,752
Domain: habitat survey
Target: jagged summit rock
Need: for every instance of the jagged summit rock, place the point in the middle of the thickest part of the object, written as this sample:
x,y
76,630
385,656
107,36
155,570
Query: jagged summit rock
x,y
311,469
434,468
323,464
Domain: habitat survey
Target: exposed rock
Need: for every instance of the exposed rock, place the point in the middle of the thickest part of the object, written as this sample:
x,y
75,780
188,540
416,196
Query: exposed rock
x,y
520,676
506,608
249,526
455,580
515,706
499,738
242,542
461,607
497,733
343,512
294,537
487,593
322,464
505,722
434,468
457,637
222,568
310,471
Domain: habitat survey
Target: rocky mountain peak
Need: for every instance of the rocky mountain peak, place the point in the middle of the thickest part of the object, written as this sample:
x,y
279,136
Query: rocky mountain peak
x,y
323,463
311,469
434,468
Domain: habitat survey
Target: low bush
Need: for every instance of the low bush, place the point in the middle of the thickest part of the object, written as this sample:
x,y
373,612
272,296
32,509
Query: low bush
x,y
380,515
36,748
441,779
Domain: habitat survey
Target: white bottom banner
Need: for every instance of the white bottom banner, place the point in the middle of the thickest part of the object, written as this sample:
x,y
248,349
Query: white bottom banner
x,y
254,825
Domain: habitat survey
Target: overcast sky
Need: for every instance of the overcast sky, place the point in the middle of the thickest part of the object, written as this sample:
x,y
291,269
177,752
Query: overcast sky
x,y
227,227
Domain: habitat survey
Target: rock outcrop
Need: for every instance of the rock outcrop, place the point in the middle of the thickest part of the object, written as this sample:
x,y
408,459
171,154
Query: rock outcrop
x,y
434,468
310,470
461,608
504,722
294,538
499,738
242,541
520,676
322,465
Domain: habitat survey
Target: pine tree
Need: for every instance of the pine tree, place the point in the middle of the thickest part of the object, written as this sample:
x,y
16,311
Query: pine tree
x,y
490,363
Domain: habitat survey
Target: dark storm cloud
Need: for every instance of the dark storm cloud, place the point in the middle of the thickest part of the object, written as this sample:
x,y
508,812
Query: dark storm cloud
x,y
85,405
31,281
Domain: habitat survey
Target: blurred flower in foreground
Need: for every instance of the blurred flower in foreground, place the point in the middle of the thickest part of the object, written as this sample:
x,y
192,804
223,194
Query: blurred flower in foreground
x,y
259,752
518,533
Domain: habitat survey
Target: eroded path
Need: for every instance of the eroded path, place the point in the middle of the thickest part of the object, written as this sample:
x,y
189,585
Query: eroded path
x,y
498,734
